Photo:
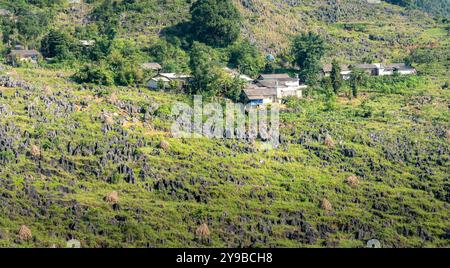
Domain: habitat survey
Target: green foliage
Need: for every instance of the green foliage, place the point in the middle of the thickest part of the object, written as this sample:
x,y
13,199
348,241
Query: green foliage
x,y
436,7
96,74
336,77
172,58
246,58
26,27
307,51
358,78
205,65
56,44
210,79
215,22
396,84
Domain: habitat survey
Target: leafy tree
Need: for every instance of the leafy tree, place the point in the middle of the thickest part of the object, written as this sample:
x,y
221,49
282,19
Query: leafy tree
x,y
101,49
307,50
30,25
247,58
45,3
122,61
436,7
172,58
357,79
204,62
336,77
126,72
94,73
56,44
215,22
210,79
233,87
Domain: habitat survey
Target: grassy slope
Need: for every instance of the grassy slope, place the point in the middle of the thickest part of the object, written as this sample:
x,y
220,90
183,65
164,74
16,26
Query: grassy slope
x,y
247,196
272,23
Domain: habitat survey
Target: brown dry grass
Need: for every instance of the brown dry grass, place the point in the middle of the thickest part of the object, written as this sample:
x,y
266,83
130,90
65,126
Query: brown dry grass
x,y
112,198
203,230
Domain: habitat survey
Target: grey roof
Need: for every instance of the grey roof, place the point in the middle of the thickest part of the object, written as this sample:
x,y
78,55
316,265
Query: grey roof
x,y
273,83
398,66
365,66
25,53
256,92
328,67
274,77
151,66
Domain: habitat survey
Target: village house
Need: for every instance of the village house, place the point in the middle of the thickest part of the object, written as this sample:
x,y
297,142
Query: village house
x,y
375,69
23,55
400,68
370,69
273,88
151,66
168,80
258,95
345,71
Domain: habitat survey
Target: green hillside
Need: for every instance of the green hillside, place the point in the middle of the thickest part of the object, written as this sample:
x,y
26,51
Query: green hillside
x,y
436,7
359,30
79,127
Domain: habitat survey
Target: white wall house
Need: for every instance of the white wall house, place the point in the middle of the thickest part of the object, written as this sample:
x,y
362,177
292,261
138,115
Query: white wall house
x,y
167,80
375,69
400,68
270,88
345,71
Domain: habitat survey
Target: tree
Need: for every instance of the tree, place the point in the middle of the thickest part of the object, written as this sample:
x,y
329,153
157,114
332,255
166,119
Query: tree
x,y
336,77
307,50
172,58
215,22
204,63
209,77
357,79
30,24
55,44
96,74
247,58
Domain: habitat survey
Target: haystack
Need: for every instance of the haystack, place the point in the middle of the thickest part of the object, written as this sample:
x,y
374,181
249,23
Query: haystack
x,y
25,233
202,230
109,120
35,151
353,181
329,141
164,145
112,99
326,205
112,198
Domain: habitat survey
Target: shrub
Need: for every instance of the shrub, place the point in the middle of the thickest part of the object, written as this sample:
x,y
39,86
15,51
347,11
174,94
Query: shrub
x,y
247,58
96,74
216,22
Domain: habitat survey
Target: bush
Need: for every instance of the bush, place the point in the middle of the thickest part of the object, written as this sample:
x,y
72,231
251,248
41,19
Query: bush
x,y
56,44
216,22
95,74
172,58
247,58
393,84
